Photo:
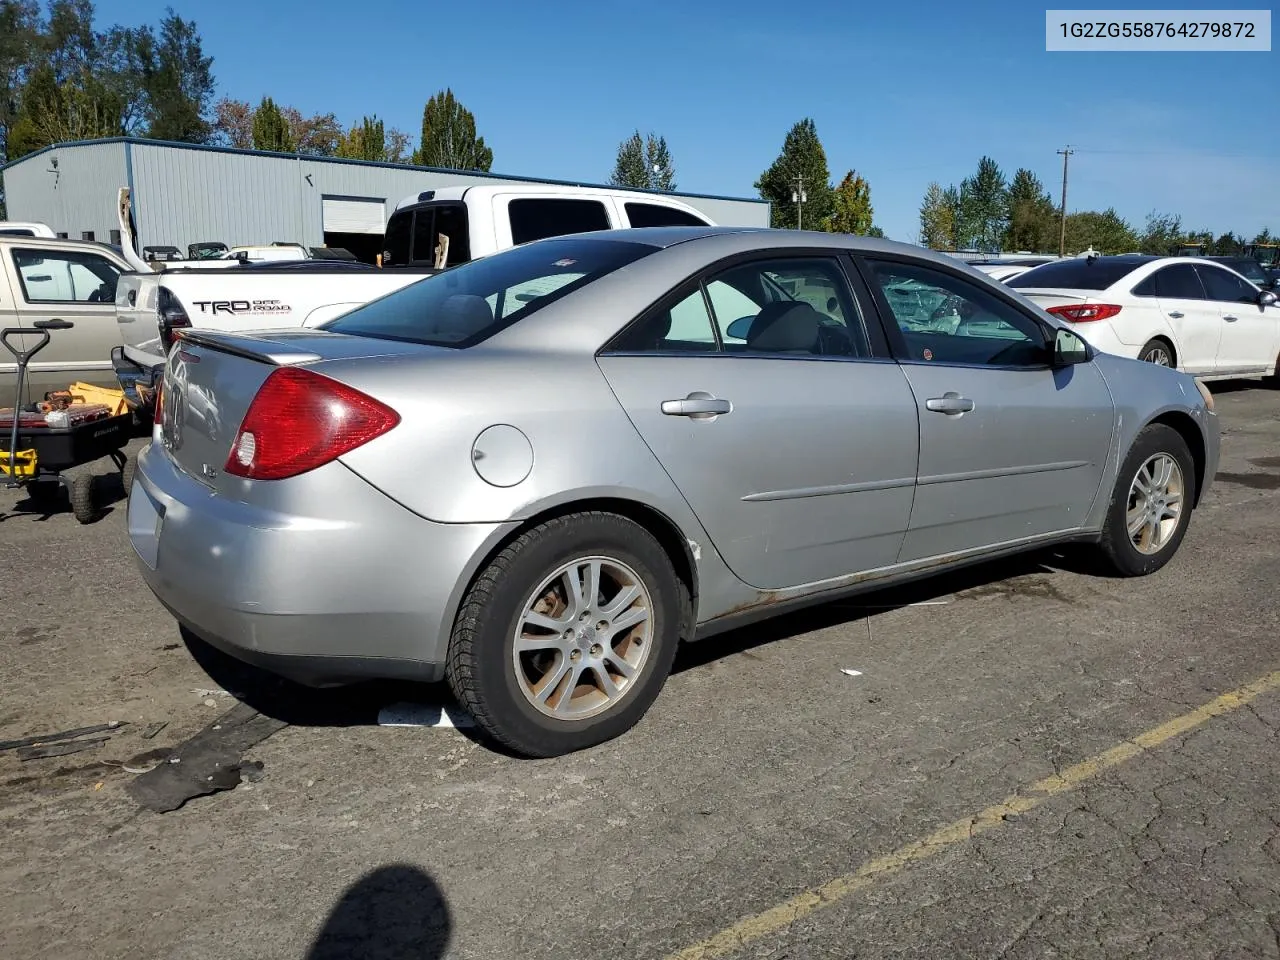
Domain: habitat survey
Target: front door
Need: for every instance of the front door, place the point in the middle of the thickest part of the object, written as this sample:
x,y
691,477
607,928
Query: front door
x,y
756,389
1250,331
74,285
1010,448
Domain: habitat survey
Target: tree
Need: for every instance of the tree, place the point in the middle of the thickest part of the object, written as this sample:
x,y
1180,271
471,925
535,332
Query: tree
x,y
1106,232
366,140
1033,218
644,164
398,146
449,139
850,207
176,79
315,136
234,123
938,218
629,169
1264,237
802,156
1227,245
984,207
271,130
1162,235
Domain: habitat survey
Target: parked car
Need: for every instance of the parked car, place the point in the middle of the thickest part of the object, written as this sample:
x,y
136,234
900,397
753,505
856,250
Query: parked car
x,y
430,231
1251,270
1185,312
75,280
537,473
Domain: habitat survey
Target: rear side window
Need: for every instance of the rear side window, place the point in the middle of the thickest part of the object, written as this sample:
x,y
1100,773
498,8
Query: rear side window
x,y
469,304
1178,282
539,218
657,215
395,243
1074,274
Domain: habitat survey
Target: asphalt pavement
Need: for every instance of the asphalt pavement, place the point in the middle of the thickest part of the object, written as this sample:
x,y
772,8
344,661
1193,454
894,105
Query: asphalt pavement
x,y
1024,761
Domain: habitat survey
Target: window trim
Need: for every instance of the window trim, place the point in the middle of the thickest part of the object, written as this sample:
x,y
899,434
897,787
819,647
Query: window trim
x,y
894,332
46,254
880,352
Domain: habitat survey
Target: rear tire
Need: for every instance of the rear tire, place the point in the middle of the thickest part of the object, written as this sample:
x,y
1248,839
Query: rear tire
x,y
82,500
126,473
578,679
1159,352
1157,478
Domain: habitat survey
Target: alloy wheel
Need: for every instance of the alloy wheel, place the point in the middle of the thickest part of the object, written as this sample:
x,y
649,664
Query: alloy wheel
x,y
1155,503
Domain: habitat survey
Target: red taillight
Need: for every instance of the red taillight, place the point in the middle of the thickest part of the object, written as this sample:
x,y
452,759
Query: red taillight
x,y
1084,312
301,420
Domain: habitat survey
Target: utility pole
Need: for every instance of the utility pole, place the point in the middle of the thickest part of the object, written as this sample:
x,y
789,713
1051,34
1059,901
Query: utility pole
x,y
1062,236
798,197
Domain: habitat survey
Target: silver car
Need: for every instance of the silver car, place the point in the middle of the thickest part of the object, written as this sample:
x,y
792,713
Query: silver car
x,y
536,474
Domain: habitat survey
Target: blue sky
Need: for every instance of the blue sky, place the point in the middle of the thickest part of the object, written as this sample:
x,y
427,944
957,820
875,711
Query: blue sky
x,y
904,93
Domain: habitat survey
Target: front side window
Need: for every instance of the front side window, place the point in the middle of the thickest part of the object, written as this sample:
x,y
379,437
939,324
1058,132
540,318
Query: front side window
x,y
49,276
1226,287
945,319
787,308
536,218
470,303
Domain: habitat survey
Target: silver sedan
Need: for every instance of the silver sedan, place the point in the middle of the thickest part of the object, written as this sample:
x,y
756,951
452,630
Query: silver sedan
x,y
537,474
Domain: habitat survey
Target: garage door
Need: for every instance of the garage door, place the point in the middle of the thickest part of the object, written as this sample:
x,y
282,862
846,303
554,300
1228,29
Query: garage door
x,y
349,215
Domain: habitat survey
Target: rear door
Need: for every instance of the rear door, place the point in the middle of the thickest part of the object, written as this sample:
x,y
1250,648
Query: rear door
x,y
74,285
1010,448
1250,332
1193,318
793,440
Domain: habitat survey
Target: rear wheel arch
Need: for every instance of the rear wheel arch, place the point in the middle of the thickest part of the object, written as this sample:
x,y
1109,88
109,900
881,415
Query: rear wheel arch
x,y
1189,430
1166,342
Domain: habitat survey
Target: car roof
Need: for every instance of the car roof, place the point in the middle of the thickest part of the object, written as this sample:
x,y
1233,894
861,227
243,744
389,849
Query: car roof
x,y
458,191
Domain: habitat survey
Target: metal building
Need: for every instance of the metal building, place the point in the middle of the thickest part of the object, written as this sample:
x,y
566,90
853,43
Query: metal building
x,y
184,193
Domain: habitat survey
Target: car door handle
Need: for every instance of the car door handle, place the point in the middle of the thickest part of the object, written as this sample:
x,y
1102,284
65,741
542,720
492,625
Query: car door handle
x,y
951,404
1230,318
1177,314
696,406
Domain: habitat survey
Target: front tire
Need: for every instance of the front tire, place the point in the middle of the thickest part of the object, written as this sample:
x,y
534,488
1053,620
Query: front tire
x,y
565,640
1151,504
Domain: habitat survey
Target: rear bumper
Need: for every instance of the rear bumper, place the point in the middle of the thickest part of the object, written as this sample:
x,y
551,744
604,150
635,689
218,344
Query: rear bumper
x,y
366,590
137,373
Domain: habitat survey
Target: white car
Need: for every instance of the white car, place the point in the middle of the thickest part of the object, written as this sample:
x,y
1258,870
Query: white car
x,y
1185,312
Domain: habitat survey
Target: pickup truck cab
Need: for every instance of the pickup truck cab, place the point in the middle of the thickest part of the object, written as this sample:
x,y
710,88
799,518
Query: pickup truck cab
x,y
479,221
75,280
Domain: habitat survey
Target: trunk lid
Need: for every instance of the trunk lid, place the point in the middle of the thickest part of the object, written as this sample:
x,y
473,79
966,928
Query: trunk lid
x,y
1045,298
210,380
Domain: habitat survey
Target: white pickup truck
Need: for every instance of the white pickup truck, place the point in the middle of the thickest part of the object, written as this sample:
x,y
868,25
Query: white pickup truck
x,y
428,232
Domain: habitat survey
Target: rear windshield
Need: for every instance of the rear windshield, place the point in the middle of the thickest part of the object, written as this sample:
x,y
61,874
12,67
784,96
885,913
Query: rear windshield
x,y
468,304
1075,274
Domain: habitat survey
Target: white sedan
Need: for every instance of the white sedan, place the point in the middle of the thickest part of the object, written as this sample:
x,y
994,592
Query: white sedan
x,y
1185,312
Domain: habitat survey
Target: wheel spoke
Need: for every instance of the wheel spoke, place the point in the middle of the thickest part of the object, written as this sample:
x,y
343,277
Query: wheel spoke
x,y
566,688
636,614
551,680
534,619
607,686
1153,532
621,666
532,642
624,598
1136,519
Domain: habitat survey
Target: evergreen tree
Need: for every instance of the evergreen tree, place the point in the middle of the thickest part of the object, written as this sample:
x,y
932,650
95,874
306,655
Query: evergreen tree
x,y
270,129
850,207
449,139
803,157
937,219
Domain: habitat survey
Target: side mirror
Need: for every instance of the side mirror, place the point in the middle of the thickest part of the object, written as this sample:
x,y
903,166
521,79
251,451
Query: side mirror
x,y
1068,349
740,328
1266,298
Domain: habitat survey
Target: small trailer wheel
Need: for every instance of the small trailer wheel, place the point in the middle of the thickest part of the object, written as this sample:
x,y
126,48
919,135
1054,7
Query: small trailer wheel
x,y
82,500
126,473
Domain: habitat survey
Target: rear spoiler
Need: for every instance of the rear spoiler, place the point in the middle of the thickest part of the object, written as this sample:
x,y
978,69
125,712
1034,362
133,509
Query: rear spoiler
x,y
249,347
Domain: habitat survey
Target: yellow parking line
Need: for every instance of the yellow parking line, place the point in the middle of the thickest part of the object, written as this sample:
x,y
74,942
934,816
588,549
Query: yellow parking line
x,y
753,928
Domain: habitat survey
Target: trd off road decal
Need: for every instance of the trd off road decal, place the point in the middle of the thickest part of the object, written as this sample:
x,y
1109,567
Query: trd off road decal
x,y
242,307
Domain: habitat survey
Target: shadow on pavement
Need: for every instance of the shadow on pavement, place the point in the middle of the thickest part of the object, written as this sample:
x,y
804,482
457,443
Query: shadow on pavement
x,y
396,912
